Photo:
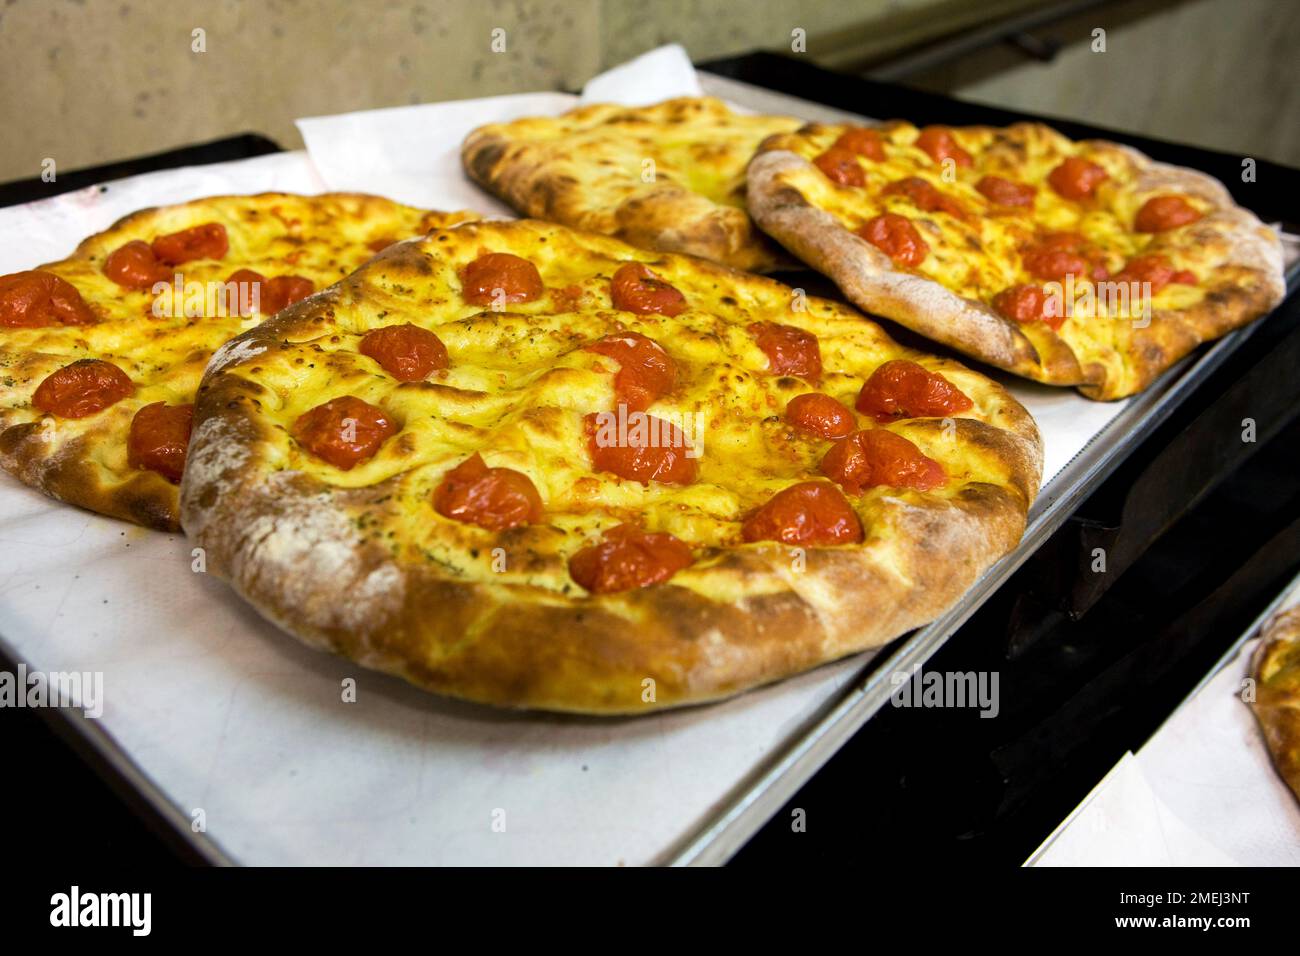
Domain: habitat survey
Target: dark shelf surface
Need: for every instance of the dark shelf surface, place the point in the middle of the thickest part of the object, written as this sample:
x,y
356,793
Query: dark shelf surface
x,y
937,785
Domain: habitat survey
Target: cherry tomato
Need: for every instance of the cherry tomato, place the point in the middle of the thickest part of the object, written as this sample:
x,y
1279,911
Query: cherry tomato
x,y
864,142
159,439
902,389
820,414
516,279
1062,241
1027,303
492,498
208,241
896,237
643,449
1055,255
1021,303
83,388
34,299
635,288
790,351
841,166
343,431
283,291
1076,178
924,196
246,293
1160,213
1054,264
809,513
1006,192
406,352
134,266
879,457
646,372
940,144
1155,269
628,558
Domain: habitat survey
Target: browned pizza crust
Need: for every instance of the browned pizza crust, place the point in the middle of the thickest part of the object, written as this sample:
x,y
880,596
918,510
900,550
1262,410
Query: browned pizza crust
x,y
586,169
328,561
1276,669
84,461
1247,281
1244,256
869,279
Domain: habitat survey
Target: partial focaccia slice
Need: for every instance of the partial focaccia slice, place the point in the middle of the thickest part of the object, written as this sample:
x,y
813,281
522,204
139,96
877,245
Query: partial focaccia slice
x,y
480,534
160,341
1276,669
669,176
962,235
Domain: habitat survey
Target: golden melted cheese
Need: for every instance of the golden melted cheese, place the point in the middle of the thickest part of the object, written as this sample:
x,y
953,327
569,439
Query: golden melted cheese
x,y
164,342
979,256
521,381
668,176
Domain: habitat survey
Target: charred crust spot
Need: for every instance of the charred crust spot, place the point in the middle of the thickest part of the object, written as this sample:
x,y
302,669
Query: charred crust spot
x,y
788,196
484,159
545,197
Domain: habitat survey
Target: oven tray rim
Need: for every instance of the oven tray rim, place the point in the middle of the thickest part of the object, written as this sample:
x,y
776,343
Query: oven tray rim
x,y
759,795
756,799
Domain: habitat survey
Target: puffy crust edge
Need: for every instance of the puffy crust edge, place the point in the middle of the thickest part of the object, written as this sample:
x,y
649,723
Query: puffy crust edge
x,y
867,276
1277,708
1226,306
433,219
668,218
286,542
869,279
70,472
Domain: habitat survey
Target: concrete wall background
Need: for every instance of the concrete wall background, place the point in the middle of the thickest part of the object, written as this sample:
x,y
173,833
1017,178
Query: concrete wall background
x,y
91,81
88,82
1219,73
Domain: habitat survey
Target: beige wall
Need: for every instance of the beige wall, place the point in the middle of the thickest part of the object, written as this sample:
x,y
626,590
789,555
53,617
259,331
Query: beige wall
x,y
90,81
1220,73
87,83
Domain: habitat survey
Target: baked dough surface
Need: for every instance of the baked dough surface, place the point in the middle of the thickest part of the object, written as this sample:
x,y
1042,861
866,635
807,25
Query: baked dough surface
x,y
1111,348
669,177
84,461
359,562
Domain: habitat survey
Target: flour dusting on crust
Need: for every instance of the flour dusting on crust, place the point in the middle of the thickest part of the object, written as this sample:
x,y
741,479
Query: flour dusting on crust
x,y
216,457
311,548
235,352
360,563
1245,278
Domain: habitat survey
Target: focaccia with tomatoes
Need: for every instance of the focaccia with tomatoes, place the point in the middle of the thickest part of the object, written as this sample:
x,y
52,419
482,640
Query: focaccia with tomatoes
x,y
1276,669
535,467
670,176
101,352
1071,263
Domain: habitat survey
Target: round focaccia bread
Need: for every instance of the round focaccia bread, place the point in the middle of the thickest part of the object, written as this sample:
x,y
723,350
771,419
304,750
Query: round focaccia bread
x,y
1276,669
1071,263
669,177
90,345
535,467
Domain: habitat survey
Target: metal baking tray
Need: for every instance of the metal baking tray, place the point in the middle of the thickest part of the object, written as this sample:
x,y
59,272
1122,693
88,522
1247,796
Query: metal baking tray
x,y
804,747
758,798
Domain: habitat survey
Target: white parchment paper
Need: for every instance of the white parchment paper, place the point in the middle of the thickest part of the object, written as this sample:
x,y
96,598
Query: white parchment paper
x,y
1201,792
229,716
